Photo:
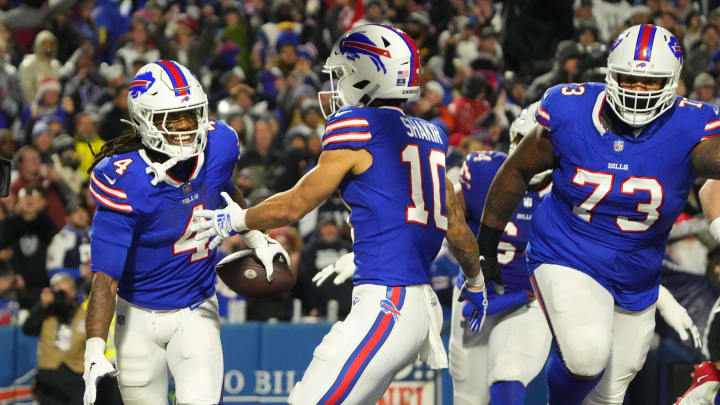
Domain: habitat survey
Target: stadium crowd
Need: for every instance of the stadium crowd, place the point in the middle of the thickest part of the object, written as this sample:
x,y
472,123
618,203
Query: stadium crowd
x,y
65,66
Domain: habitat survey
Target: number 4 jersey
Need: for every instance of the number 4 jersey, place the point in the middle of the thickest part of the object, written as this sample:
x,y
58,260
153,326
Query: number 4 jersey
x,y
161,265
398,204
614,198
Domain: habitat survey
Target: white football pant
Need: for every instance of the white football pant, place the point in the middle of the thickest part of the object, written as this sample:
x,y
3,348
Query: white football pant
x,y
386,330
512,346
592,333
185,342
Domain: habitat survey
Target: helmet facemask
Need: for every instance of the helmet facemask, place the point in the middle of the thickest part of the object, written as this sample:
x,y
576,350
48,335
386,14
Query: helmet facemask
x,y
336,102
638,108
179,133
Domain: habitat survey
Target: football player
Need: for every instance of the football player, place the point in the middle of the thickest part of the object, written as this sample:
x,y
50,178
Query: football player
x,y
390,170
147,185
624,156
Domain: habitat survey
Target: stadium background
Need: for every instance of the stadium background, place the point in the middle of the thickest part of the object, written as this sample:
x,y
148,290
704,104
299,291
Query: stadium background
x,y
64,69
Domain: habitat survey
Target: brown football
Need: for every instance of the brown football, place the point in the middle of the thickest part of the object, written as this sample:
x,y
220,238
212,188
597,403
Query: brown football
x,y
246,276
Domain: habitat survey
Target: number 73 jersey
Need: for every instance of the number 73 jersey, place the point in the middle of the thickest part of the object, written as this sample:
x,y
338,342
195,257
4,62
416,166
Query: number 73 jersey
x,y
615,198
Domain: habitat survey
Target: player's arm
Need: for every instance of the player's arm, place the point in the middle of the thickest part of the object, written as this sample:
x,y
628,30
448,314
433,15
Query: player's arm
x,y
461,240
315,187
705,158
710,201
533,155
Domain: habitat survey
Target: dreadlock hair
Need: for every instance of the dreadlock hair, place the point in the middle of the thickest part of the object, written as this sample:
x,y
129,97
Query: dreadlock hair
x,y
122,144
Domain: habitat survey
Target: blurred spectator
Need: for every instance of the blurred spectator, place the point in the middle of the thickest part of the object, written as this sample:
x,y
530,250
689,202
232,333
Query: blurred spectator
x,y
312,121
33,173
584,16
11,94
431,104
699,58
489,54
565,70
260,157
7,144
705,89
291,241
237,32
185,46
639,14
471,106
467,44
46,106
693,26
374,14
85,86
65,162
28,232
324,249
9,284
43,140
110,125
136,47
58,321
87,141
685,248
70,247
39,65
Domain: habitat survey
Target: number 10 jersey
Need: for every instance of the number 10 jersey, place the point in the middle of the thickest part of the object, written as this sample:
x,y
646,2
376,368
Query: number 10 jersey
x,y
614,198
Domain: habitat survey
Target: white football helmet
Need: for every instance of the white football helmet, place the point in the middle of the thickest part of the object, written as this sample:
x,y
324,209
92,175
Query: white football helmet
x,y
372,62
522,125
646,51
161,88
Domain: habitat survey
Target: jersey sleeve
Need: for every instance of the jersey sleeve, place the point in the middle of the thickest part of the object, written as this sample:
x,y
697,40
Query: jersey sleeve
x,y
346,129
110,240
227,144
547,113
107,190
711,120
478,172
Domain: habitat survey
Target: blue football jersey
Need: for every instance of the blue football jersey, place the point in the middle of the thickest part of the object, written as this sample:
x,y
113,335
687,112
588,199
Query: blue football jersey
x,y
165,267
398,211
478,172
614,198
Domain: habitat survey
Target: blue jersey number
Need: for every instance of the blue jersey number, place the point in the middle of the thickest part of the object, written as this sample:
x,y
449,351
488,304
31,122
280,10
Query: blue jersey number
x,y
416,213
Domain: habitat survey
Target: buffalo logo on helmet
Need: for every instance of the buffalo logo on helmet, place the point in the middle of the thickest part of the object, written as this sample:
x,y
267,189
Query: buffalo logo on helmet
x,y
617,42
141,84
675,48
358,43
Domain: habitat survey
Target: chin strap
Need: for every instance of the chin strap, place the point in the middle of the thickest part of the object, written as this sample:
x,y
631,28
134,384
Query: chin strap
x,y
159,170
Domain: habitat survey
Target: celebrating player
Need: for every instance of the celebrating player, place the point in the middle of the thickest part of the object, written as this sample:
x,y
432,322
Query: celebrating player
x,y
147,185
391,171
624,155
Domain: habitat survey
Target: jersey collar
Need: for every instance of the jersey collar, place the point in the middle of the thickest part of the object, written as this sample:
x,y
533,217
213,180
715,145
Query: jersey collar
x,y
597,110
398,109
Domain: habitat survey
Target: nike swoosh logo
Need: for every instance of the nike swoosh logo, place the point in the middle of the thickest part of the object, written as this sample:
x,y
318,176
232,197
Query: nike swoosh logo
x,y
701,378
109,180
194,307
339,113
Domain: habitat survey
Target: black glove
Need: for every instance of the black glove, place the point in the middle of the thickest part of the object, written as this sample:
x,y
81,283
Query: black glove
x,y
488,240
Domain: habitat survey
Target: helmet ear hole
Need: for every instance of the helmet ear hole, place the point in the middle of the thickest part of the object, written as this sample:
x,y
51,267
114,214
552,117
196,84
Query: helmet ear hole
x,y
361,84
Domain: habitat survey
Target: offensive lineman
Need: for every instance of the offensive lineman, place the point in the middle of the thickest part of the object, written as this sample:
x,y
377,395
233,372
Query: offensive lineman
x,y
147,185
624,155
390,169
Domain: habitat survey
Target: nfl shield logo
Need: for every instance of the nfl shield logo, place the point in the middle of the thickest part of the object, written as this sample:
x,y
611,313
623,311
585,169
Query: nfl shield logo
x,y
619,145
527,202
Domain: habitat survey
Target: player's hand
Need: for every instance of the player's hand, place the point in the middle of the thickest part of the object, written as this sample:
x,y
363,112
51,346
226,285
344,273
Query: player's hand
x,y
97,366
491,269
677,317
221,223
344,267
478,299
472,317
265,249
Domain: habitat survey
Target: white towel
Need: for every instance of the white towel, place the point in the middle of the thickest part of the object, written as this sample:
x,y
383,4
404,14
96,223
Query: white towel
x,y
433,351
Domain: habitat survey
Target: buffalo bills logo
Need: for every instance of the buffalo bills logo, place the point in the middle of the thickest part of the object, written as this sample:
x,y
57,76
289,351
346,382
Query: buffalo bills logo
x,y
389,308
675,48
641,64
357,43
617,42
141,84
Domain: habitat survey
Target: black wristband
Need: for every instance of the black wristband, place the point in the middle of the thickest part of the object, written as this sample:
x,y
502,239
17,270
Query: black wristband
x,y
488,240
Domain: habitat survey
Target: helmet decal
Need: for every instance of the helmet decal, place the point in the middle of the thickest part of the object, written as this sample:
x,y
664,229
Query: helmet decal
x,y
414,57
617,41
180,84
140,84
358,43
675,48
643,47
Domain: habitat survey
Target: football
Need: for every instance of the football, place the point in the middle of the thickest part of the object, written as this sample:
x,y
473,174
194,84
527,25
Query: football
x,y
246,276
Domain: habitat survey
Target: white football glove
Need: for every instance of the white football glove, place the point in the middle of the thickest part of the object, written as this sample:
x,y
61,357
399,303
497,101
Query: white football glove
x,y
96,367
344,267
264,248
219,224
677,317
